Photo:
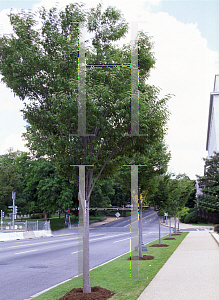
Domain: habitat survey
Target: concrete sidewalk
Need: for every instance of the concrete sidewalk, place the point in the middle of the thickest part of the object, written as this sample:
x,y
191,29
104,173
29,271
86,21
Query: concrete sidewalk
x,y
191,273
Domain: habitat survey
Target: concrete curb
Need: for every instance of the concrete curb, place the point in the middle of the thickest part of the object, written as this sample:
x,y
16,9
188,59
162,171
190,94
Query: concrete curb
x,y
215,236
95,221
188,226
11,236
91,222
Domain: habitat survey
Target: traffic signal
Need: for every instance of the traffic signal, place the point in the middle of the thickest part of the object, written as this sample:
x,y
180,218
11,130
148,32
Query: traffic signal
x,y
15,210
3,214
69,211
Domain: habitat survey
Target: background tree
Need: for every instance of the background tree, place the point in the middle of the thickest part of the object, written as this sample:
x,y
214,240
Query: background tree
x,y
208,202
44,190
40,65
10,179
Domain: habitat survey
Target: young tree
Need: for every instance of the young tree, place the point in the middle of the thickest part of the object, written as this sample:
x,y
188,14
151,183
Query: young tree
x,y
160,198
40,65
179,189
154,162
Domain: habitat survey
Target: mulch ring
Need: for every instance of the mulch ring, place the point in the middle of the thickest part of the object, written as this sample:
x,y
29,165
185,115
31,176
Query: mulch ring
x,y
145,257
161,245
175,234
97,293
169,239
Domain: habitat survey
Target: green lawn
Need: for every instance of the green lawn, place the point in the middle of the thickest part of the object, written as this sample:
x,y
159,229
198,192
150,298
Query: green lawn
x,y
115,275
203,224
58,223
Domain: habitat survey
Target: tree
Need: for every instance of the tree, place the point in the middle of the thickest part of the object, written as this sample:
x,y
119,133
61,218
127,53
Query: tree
x,y
40,65
172,194
44,190
10,179
210,185
154,163
160,198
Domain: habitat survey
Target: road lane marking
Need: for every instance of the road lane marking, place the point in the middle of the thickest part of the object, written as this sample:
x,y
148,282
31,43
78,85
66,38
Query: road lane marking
x,y
77,251
26,251
42,243
122,240
51,241
142,219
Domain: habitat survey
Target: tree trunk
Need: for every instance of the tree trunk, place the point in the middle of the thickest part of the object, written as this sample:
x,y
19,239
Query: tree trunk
x,y
175,222
86,263
159,227
170,228
46,216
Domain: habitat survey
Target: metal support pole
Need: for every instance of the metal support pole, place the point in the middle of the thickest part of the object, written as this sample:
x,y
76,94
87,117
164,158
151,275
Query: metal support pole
x,y
178,222
37,226
13,197
26,225
1,221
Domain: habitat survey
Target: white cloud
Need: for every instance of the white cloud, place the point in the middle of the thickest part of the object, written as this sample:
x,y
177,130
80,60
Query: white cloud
x,y
185,67
13,140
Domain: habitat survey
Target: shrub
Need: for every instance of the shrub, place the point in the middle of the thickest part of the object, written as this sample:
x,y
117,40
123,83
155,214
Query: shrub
x,y
191,218
37,216
216,228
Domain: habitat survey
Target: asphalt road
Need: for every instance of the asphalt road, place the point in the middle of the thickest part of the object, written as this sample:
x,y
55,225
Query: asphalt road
x,y
30,266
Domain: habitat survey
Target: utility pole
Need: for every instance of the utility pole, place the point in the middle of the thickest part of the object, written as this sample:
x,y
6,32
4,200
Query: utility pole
x,y
2,216
13,197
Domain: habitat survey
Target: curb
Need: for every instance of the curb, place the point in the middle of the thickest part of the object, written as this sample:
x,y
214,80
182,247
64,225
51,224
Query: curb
x,y
190,226
91,222
100,220
215,236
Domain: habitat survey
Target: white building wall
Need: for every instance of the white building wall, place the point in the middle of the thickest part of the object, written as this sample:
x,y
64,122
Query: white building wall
x,y
213,130
216,120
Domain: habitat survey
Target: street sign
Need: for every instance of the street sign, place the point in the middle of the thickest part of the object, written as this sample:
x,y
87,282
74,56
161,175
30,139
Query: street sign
x,y
13,195
117,214
10,206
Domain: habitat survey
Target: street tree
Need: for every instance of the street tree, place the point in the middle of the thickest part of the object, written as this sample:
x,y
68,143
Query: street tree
x,y
40,65
152,163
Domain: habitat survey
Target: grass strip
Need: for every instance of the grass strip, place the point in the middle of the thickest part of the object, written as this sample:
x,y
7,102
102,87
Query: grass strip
x,y
114,275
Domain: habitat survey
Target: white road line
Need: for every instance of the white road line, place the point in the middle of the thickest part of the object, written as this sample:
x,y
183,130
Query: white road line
x,y
76,252
26,251
121,240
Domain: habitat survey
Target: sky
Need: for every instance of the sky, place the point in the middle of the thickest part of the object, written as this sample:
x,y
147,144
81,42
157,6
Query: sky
x,y
186,47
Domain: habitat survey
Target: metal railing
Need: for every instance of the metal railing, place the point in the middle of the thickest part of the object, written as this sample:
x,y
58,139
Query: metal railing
x,y
24,226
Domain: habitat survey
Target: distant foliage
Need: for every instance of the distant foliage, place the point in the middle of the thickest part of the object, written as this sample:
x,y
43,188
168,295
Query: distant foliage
x,y
209,183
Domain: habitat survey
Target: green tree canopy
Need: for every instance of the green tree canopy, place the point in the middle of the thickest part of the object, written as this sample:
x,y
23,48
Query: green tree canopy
x,y
209,183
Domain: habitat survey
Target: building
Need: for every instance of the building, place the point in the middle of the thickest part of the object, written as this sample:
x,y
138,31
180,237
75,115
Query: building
x,y
213,120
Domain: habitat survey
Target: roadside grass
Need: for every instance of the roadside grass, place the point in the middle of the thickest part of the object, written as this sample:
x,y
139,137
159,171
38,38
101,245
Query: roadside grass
x,y
115,275
204,224
58,223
